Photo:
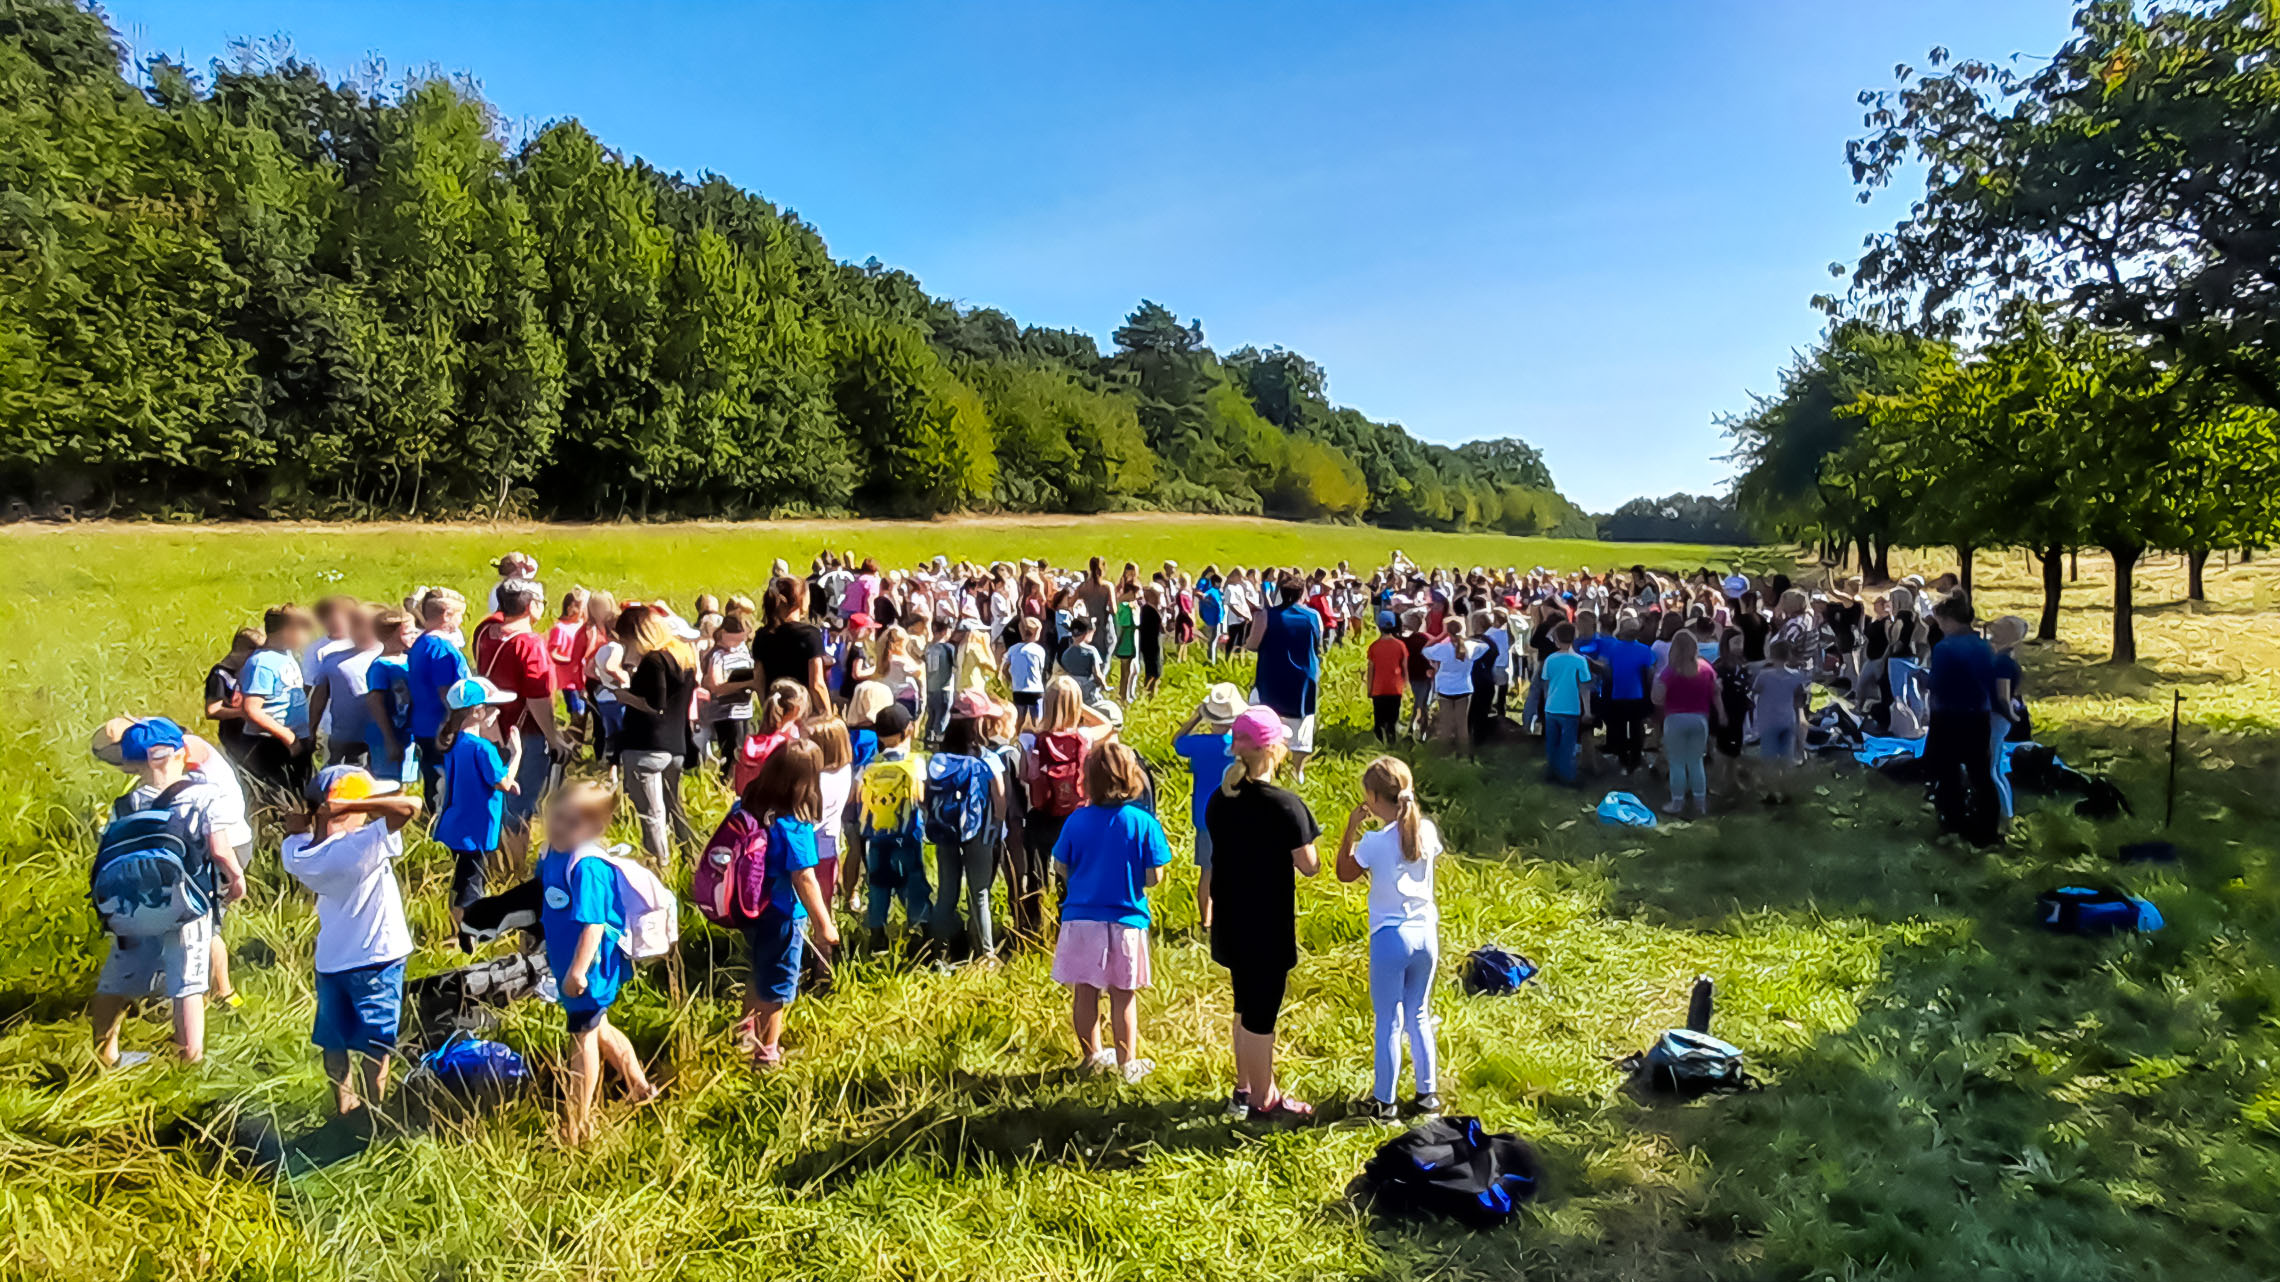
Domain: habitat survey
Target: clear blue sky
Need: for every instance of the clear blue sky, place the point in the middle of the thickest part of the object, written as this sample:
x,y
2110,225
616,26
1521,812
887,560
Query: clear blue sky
x,y
1591,225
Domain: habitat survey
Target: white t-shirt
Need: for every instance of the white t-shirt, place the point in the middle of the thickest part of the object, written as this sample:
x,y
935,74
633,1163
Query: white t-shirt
x,y
316,668
1025,668
1401,890
1453,678
719,662
346,679
360,912
222,797
836,785
598,667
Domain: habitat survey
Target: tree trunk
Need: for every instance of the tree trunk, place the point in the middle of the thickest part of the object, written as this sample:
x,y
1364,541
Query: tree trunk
x,y
1867,552
2247,555
2054,588
1963,566
2073,564
1883,571
2125,626
2195,562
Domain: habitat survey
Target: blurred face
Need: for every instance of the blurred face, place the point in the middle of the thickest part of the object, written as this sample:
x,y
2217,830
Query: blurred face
x,y
450,618
360,629
571,826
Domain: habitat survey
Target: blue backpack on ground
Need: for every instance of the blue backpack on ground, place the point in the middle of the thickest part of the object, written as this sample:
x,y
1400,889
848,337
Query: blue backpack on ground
x,y
1450,1167
2085,910
1623,808
1491,971
143,884
470,1066
957,804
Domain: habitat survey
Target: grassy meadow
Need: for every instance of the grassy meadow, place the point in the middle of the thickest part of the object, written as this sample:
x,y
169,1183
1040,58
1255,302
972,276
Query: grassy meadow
x,y
1950,1094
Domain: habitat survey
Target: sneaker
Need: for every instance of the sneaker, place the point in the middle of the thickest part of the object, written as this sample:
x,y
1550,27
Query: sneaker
x,y
1100,1061
1239,1106
1134,1070
1428,1104
1370,1108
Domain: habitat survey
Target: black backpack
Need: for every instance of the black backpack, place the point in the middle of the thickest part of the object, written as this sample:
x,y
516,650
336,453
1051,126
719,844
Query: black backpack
x,y
1450,1168
1491,971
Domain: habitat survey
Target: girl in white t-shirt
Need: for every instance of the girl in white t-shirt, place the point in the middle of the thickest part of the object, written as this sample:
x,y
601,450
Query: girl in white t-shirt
x,y
1397,857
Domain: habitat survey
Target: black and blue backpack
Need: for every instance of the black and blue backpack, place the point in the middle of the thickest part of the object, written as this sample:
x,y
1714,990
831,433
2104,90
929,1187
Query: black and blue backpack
x,y
1451,1168
2088,910
146,880
1491,971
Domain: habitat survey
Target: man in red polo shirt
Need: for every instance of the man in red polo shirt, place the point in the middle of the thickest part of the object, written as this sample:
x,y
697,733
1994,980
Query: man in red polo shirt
x,y
510,654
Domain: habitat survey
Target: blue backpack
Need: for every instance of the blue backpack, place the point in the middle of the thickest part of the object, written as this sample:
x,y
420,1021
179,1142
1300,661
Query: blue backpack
x,y
144,882
2082,910
470,1066
957,804
1627,810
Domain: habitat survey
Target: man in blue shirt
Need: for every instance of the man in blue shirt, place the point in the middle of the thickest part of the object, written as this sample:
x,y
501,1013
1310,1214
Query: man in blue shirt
x,y
1288,641
1957,746
434,664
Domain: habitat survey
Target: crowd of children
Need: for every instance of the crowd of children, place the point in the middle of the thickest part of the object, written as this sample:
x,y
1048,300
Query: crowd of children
x,y
855,714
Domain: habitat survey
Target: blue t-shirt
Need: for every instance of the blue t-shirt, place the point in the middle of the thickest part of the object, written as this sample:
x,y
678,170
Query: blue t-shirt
x,y
1630,666
1289,665
1565,676
1207,607
1962,678
791,847
1108,851
473,806
1209,756
274,678
391,679
1593,650
864,743
575,896
432,664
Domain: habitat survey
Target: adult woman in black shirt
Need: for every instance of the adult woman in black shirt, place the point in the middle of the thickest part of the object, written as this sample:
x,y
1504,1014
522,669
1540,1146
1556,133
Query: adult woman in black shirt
x,y
654,743
790,648
1262,841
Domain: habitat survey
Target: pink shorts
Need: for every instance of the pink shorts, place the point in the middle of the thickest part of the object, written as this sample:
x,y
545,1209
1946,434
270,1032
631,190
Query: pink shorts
x,y
1101,954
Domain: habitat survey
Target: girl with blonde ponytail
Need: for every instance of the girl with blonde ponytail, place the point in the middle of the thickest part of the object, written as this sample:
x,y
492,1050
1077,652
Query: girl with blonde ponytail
x,y
1397,857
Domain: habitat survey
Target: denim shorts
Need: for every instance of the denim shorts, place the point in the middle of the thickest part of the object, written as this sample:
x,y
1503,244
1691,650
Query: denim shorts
x,y
530,777
359,1009
776,941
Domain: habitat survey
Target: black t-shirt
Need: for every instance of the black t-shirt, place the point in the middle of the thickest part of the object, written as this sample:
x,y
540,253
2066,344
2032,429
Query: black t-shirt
x,y
222,687
1254,896
785,651
1752,626
667,687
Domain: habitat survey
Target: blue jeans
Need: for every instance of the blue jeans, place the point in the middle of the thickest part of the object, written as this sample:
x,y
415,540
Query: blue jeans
x,y
1532,708
1998,731
971,864
1402,960
1561,730
895,864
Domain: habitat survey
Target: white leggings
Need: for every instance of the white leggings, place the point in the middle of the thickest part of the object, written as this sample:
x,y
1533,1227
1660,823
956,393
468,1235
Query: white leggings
x,y
1402,960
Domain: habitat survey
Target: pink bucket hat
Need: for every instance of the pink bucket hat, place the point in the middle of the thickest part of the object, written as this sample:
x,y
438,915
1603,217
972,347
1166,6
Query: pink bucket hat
x,y
1259,727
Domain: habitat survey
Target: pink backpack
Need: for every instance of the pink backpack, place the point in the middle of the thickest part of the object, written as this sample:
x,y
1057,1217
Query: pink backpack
x,y
730,883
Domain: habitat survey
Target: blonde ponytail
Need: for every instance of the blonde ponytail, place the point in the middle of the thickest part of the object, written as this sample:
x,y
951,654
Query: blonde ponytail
x,y
1388,779
1253,763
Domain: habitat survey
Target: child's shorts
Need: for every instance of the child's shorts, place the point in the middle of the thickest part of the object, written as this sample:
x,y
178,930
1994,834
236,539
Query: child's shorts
x,y
1101,954
776,941
1203,847
358,1009
172,966
1778,742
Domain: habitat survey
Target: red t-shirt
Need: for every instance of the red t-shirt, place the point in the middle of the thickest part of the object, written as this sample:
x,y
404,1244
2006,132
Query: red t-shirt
x,y
1389,666
570,645
1693,694
520,666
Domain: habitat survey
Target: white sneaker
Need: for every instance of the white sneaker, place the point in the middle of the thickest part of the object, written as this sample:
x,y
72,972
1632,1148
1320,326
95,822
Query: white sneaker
x,y
1137,1069
1100,1061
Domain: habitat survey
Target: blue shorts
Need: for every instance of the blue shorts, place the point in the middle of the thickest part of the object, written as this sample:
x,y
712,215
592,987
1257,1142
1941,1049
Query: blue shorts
x,y
1203,847
358,1009
776,941
584,1019
530,777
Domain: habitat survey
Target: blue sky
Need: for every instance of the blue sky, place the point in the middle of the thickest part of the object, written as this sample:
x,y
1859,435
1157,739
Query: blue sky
x,y
1592,225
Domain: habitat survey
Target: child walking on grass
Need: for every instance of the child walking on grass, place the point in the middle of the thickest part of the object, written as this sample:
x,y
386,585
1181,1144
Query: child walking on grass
x,y
1109,853
583,922
1397,857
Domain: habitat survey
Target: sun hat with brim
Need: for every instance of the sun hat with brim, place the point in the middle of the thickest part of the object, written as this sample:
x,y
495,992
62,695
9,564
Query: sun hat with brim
x,y
681,627
469,692
155,736
345,783
1224,702
858,622
105,741
1259,727
974,703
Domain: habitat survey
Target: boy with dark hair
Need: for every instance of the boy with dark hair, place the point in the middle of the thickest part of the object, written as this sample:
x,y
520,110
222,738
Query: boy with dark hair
x,y
1958,744
277,705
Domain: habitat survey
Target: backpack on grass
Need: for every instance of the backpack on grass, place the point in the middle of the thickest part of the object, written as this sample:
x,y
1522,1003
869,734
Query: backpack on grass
x,y
730,881
1491,971
1627,810
1449,1167
1687,1064
2085,910
142,883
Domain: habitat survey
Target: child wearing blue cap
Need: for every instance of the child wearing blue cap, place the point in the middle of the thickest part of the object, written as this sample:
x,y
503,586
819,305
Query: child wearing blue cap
x,y
475,779
156,855
349,861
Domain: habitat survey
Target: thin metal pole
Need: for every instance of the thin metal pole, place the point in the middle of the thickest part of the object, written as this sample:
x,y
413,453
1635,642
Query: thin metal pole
x,y
2169,811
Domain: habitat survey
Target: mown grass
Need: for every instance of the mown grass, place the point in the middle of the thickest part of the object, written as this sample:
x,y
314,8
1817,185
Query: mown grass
x,y
1951,1094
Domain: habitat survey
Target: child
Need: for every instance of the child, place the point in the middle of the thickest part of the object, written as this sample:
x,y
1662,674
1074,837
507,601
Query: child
x,y
894,857
788,798
1567,701
582,920
941,662
1109,854
1780,693
177,961
1386,667
729,678
476,778
781,715
1735,675
1397,858
1082,661
1127,642
568,643
349,862
836,779
965,810
1204,743
1024,669
388,697
1152,638
1686,693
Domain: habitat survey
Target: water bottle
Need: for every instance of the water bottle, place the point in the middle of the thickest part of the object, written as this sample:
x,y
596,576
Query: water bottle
x,y
1698,1005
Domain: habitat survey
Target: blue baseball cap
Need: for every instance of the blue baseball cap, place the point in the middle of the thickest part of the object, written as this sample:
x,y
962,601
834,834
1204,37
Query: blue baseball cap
x,y
1386,621
145,737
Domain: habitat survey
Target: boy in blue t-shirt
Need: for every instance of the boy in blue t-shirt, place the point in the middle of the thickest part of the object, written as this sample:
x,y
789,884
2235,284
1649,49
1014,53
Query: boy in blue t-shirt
x,y
1109,853
1209,751
583,922
433,665
388,697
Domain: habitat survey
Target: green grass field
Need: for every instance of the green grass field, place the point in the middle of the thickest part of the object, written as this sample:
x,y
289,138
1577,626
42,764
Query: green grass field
x,y
1951,1094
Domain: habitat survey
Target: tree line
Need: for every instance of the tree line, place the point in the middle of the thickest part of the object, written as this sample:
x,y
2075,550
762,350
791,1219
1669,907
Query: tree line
x,y
2068,342
261,291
